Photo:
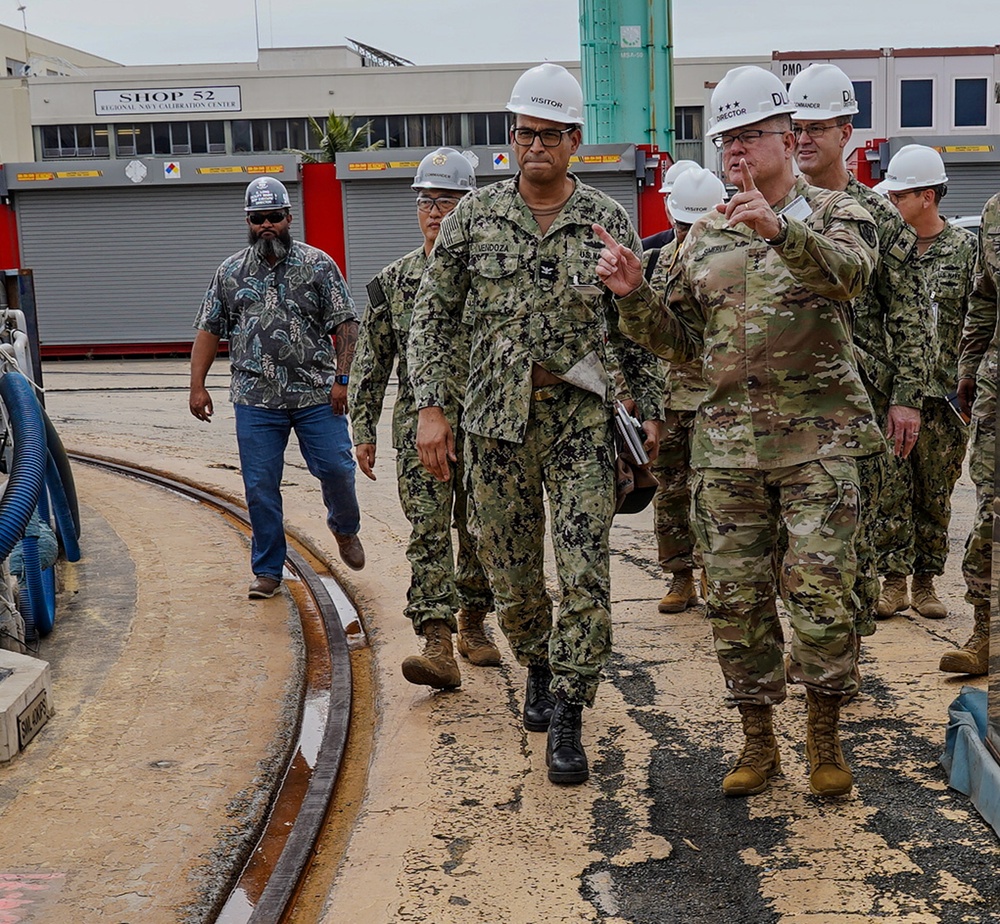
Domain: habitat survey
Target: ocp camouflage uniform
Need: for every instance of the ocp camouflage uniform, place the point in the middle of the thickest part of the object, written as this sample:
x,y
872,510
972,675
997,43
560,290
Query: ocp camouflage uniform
x,y
682,394
893,339
785,416
978,358
916,499
437,583
516,288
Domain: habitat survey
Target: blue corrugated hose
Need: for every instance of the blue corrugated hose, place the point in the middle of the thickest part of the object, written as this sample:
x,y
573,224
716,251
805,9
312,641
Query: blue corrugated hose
x,y
27,473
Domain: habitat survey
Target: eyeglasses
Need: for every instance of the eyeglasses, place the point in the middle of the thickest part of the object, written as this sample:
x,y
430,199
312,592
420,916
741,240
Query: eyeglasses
x,y
444,203
550,137
275,218
747,138
895,196
813,131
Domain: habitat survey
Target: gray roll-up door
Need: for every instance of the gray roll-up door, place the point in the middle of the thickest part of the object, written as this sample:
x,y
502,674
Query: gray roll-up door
x,y
969,186
127,266
381,221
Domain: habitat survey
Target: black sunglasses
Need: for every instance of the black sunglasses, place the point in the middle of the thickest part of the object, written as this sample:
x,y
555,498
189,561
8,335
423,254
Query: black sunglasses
x,y
275,218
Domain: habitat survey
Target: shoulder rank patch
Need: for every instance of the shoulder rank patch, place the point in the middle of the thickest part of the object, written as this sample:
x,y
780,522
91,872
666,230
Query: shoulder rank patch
x,y
903,244
376,294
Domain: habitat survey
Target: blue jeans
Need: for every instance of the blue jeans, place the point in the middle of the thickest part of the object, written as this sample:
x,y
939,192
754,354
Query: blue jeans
x,y
262,436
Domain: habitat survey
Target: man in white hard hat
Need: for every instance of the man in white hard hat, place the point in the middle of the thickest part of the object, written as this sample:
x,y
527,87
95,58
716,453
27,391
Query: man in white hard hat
x,y
977,370
916,501
662,238
438,583
762,291
277,302
694,193
893,328
517,260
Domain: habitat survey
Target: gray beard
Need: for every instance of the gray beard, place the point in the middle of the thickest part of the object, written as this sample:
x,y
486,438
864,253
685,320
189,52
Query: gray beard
x,y
270,248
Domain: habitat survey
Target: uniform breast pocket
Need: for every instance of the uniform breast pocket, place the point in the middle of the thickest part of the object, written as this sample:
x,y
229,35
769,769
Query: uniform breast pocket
x,y
495,264
493,282
585,290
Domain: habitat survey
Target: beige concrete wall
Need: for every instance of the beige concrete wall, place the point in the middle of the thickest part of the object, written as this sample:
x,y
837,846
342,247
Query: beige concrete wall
x,y
16,139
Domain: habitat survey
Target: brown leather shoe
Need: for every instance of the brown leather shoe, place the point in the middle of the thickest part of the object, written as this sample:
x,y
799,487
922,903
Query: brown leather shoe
x,y
263,587
351,550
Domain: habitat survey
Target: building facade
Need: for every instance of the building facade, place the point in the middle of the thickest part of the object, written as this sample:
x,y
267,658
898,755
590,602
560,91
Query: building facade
x,y
120,185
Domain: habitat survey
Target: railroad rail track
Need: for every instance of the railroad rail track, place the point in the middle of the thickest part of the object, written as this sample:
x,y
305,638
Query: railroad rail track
x,y
265,890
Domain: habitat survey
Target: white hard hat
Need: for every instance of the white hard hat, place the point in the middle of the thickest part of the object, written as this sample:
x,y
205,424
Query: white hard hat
x,y
822,91
674,171
445,168
548,91
746,95
696,192
914,167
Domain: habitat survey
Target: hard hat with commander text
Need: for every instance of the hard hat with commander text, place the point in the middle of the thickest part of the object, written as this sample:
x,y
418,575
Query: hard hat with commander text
x,y
445,168
822,91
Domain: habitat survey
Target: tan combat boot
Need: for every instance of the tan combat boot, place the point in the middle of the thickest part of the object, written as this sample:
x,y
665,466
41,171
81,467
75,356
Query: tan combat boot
x,y
436,667
925,599
973,657
893,598
759,760
473,642
829,774
681,594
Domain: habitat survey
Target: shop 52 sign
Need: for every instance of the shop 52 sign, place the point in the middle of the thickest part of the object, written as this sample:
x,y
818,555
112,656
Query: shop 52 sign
x,y
144,100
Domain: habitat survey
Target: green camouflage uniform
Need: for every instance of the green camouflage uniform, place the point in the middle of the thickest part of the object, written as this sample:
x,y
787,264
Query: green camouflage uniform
x,y
437,582
893,338
534,298
916,499
682,394
784,418
978,358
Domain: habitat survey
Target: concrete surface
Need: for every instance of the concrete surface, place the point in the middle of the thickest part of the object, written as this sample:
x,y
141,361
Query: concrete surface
x,y
458,822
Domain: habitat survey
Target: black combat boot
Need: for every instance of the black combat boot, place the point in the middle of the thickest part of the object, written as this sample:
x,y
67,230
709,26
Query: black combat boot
x,y
564,754
538,701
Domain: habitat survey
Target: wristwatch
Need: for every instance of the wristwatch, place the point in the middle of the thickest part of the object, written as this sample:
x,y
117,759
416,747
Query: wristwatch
x,y
779,238
341,379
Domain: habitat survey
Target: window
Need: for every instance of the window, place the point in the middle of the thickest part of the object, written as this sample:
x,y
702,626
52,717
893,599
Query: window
x,y
863,94
489,128
688,123
167,138
268,135
689,133
970,101
62,141
916,103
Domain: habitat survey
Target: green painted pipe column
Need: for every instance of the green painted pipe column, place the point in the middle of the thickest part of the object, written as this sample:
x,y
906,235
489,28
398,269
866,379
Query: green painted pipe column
x,y
626,58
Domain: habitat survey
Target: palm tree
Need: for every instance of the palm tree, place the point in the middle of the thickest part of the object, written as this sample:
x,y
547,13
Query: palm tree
x,y
339,134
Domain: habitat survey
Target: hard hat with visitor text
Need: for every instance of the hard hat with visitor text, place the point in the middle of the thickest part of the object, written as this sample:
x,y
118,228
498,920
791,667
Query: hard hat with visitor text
x,y
696,193
914,166
548,91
